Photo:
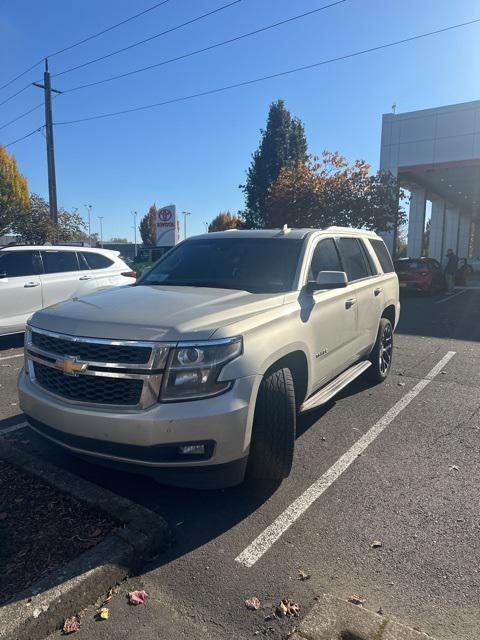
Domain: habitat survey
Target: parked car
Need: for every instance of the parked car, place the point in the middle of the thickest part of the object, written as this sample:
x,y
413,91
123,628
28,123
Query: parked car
x,y
420,274
197,373
34,277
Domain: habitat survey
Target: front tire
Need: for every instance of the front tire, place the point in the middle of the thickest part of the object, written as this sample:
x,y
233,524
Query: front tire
x,y
274,426
382,352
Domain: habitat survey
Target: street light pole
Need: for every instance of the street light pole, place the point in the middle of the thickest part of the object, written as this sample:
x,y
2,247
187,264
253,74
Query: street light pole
x,y
206,226
134,214
89,207
101,230
185,214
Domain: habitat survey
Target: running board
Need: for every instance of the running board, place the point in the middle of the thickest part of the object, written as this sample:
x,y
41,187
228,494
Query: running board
x,y
335,386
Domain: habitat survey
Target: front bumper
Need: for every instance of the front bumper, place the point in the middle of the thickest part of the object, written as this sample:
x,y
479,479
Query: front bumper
x,y
148,440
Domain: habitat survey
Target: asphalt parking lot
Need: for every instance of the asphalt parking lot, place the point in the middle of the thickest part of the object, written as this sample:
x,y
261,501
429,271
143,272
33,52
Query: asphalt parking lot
x,y
415,488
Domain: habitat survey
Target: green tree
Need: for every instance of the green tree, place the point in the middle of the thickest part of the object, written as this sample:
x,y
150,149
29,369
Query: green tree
x,y
34,225
330,191
148,228
13,191
225,220
282,141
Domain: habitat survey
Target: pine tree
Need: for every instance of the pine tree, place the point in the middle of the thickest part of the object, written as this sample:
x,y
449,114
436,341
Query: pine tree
x,y
283,141
13,191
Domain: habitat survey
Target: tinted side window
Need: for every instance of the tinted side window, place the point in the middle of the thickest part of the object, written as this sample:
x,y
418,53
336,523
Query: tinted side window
x,y
325,258
353,259
96,260
19,263
383,255
59,261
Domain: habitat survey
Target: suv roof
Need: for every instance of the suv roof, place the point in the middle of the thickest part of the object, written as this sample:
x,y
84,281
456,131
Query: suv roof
x,y
58,247
289,233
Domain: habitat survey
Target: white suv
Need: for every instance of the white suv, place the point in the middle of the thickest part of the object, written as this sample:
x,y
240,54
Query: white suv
x,y
35,277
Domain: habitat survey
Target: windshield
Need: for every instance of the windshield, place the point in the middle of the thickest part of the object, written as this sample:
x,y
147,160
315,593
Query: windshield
x,y
258,265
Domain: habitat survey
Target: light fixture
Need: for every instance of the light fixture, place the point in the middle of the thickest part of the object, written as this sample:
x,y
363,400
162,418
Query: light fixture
x,y
442,179
450,185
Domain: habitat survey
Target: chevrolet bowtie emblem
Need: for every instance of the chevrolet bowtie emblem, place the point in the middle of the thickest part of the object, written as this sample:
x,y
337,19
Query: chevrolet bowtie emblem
x,y
70,366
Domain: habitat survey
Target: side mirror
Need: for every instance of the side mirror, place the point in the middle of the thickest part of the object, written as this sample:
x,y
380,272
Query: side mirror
x,y
328,280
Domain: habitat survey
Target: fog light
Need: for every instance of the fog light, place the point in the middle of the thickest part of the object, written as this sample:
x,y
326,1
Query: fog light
x,y
192,450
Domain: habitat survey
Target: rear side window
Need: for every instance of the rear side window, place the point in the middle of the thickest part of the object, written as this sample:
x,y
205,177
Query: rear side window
x,y
383,255
59,261
325,258
96,260
353,258
16,264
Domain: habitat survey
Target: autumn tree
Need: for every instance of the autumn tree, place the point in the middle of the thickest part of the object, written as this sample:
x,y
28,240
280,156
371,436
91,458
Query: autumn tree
x,y
330,191
13,191
225,220
148,227
282,141
34,225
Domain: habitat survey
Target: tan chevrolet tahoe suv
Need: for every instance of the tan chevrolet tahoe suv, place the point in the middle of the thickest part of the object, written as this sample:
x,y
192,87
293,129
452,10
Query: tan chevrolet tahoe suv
x,y
197,372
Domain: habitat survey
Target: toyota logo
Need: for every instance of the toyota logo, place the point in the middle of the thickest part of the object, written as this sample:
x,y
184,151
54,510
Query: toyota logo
x,y
164,215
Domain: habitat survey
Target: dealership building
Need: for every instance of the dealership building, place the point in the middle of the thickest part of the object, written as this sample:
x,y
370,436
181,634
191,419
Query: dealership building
x,y
435,153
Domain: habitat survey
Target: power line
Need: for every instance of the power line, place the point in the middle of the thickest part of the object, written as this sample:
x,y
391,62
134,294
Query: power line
x,y
157,35
17,93
209,48
273,75
76,44
21,116
23,137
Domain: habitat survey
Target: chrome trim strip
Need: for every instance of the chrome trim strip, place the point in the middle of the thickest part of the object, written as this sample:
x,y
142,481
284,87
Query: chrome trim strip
x,y
88,372
122,343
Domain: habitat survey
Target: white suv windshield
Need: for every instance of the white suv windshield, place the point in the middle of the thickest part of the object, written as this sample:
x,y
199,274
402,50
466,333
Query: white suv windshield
x,y
258,265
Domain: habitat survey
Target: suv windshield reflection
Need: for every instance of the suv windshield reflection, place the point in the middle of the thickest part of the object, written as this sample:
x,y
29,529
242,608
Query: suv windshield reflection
x,y
258,265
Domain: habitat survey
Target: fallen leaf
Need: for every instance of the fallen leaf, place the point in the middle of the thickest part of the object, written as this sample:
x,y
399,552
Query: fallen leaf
x,y
252,603
71,624
401,384
103,613
453,467
96,533
137,597
375,544
303,575
358,600
380,612
287,608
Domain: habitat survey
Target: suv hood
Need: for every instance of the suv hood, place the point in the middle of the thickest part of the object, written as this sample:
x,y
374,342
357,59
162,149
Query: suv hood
x,y
153,312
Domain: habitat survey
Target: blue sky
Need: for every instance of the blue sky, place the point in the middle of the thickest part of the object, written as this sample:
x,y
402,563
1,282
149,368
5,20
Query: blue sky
x,y
195,153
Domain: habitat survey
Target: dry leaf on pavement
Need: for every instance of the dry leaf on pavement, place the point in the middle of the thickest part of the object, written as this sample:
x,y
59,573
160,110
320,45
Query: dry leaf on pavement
x,y
453,467
287,608
355,599
252,603
71,624
137,597
376,544
103,613
303,575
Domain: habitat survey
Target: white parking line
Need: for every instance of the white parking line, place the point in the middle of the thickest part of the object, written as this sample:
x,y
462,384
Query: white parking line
x,y
14,427
273,532
459,293
17,355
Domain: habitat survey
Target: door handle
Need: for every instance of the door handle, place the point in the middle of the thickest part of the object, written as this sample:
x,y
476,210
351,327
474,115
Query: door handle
x,y
377,291
349,303
86,278
30,285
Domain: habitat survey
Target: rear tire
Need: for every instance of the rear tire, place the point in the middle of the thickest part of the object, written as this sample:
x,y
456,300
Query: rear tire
x,y
274,427
382,353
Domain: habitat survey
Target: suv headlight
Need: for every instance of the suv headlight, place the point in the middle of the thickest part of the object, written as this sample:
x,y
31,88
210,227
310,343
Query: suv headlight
x,y
193,369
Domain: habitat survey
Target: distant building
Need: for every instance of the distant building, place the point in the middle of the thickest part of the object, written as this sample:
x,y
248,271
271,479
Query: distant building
x,y
435,153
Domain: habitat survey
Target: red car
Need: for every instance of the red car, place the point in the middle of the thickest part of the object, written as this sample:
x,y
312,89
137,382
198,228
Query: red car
x,y
420,274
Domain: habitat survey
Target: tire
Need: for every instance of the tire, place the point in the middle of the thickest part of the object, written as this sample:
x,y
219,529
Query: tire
x,y
274,427
382,353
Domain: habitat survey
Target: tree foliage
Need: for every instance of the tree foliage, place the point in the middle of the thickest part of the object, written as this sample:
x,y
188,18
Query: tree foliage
x,y
13,191
283,141
225,220
148,228
34,225
329,191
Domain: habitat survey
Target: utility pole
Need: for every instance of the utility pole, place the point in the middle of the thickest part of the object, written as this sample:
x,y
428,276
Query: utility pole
x,y
134,214
52,182
185,214
89,208
206,226
101,230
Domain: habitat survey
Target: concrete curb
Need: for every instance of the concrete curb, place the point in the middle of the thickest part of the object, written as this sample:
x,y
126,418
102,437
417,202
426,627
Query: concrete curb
x,y
41,609
335,619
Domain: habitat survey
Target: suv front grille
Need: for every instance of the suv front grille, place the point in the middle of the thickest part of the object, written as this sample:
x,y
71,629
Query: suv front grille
x,y
92,351
91,389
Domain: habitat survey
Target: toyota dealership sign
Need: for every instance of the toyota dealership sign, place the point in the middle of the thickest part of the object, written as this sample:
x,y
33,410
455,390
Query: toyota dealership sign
x,y
167,227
